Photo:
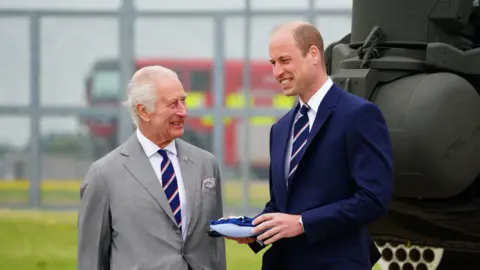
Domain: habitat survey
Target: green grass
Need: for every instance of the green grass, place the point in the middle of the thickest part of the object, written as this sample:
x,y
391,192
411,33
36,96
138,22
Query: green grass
x,y
31,240
66,192
34,240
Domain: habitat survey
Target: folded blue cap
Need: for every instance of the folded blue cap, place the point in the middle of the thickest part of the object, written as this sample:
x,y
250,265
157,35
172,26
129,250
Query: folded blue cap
x,y
235,227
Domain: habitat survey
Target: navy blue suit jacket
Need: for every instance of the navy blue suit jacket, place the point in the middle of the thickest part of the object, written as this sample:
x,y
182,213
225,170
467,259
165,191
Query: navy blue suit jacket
x,y
343,182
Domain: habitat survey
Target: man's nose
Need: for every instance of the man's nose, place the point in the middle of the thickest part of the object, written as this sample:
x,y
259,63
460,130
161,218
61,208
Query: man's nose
x,y
277,71
182,110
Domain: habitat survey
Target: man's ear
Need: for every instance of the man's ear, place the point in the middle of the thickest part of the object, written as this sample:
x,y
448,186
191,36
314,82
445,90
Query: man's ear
x,y
142,112
315,55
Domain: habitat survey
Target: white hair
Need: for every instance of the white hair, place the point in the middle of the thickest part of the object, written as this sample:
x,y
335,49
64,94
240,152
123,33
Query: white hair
x,y
142,88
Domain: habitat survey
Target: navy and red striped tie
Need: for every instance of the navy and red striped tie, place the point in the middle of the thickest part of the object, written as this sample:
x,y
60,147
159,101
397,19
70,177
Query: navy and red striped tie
x,y
170,186
301,130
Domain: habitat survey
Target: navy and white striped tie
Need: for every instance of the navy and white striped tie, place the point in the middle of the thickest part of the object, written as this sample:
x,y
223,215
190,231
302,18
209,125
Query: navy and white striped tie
x,y
301,130
170,186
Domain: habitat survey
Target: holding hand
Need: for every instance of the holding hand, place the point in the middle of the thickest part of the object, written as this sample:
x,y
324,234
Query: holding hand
x,y
244,240
239,235
277,226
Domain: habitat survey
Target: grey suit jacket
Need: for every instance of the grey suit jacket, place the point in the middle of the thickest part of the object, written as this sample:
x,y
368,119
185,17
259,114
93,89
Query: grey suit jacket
x,y
125,221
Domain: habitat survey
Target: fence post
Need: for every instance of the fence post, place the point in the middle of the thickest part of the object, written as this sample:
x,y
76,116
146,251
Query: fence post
x,y
34,175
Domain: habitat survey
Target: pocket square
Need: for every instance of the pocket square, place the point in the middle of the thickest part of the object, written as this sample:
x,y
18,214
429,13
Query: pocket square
x,y
208,183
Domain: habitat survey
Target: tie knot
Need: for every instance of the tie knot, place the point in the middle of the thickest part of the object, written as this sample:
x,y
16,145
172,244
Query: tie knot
x,y
163,153
304,109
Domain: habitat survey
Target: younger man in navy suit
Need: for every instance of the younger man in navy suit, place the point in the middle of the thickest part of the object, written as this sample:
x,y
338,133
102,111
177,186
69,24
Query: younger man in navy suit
x,y
331,170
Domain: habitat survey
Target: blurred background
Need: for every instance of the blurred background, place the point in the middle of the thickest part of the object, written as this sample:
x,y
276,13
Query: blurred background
x,y
64,66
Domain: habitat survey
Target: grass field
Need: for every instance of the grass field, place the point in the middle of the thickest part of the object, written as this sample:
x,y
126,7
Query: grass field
x,y
33,240
47,240
66,192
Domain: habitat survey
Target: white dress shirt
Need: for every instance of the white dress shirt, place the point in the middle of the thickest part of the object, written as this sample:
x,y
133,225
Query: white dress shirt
x,y
313,102
151,150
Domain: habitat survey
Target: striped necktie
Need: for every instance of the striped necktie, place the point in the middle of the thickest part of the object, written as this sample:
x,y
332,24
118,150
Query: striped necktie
x,y
169,183
301,131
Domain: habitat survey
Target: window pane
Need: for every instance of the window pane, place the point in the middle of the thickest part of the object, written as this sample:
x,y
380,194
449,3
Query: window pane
x,y
106,84
15,64
67,56
14,160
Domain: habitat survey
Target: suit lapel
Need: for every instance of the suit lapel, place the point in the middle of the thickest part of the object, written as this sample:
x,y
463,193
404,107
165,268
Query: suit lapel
x,y
191,183
323,112
279,153
140,168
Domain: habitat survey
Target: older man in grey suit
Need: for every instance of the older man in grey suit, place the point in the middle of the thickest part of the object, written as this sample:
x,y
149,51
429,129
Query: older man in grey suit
x,y
148,203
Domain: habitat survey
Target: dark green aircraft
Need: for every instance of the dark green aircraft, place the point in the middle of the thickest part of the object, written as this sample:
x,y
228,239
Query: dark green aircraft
x,y
419,61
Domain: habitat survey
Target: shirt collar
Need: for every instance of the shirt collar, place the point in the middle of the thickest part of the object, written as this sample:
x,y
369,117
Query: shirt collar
x,y
150,148
316,99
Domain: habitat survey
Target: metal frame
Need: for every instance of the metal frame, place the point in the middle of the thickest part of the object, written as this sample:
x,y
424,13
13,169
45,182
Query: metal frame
x,y
311,12
127,14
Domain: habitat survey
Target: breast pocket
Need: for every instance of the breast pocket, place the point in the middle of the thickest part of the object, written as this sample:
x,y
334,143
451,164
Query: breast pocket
x,y
209,196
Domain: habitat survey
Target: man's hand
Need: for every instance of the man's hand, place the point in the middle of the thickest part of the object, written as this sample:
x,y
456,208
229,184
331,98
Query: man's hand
x,y
244,240
278,226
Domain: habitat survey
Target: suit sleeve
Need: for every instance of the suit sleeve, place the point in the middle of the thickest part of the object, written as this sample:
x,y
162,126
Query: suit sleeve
x,y
94,230
219,241
369,157
270,206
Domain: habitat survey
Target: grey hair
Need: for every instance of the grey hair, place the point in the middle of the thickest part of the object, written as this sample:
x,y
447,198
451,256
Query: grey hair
x,y
142,88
